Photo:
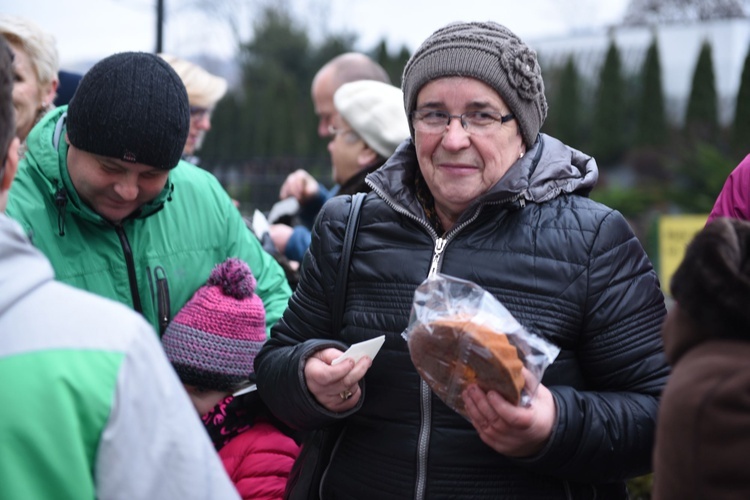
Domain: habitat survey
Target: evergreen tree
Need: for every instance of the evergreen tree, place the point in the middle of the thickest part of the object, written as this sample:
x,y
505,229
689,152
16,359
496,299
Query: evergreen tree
x,y
701,173
401,59
221,147
701,118
277,114
393,65
566,115
741,125
271,113
651,129
609,127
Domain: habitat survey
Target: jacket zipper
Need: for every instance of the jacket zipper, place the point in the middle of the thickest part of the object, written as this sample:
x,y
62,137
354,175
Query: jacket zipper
x,y
397,208
150,284
439,247
423,440
61,201
128,252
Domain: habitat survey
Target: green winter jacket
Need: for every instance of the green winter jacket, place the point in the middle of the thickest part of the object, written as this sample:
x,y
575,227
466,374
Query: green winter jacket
x,y
155,259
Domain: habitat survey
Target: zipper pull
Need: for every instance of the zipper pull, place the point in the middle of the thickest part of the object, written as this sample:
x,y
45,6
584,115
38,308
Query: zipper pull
x,y
439,247
61,201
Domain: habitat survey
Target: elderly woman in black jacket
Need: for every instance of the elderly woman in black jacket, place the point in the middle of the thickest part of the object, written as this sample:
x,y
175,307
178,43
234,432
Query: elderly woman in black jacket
x,y
477,193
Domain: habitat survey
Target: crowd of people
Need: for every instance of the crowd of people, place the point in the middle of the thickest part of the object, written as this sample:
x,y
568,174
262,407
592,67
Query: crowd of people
x,y
93,408
152,347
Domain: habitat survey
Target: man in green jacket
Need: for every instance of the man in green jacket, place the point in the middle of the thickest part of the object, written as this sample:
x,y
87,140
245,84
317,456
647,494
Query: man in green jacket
x,y
91,407
102,192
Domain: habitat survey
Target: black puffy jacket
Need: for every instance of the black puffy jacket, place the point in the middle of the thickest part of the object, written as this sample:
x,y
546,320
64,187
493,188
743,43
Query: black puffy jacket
x,y
566,267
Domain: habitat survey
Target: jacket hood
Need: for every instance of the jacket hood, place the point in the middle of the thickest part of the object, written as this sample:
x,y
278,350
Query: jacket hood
x,y
711,288
47,156
22,267
546,171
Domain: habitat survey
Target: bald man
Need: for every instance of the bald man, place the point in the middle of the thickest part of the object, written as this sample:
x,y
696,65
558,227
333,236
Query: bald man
x,y
344,68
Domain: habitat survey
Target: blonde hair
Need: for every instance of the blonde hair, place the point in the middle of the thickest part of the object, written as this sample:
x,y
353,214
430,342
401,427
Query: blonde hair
x,y
40,46
203,89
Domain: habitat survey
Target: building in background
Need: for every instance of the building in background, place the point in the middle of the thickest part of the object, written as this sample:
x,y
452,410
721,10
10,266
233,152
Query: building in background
x,y
679,45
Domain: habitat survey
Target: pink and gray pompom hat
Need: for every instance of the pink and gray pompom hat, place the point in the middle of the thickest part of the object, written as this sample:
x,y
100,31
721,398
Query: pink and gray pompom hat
x,y
213,340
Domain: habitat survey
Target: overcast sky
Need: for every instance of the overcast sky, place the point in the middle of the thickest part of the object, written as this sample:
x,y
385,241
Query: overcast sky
x,y
87,30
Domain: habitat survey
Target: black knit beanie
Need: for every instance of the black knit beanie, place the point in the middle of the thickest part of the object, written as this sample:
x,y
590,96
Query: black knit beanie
x,y
131,106
492,54
712,283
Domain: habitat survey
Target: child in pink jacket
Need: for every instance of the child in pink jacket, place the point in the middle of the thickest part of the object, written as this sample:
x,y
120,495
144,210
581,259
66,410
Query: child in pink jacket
x,y
212,343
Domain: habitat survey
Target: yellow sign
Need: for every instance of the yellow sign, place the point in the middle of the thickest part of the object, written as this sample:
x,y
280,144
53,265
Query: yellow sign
x,y
675,232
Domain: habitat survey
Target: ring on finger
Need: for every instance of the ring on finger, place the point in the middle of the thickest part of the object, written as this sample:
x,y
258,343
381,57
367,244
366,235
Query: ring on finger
x,y
345,394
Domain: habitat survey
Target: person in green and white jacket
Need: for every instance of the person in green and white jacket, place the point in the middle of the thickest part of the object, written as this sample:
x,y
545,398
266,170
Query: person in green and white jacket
x,y
103,194
91,408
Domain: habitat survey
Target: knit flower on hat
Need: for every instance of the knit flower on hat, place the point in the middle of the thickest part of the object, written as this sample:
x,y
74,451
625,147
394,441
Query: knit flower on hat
x,y
520,64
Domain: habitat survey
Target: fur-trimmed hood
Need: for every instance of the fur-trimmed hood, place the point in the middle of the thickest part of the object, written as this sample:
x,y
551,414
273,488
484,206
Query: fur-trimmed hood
x,y
712,288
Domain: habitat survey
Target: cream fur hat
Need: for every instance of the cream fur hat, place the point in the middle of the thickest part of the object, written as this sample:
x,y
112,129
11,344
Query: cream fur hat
x,y
375,111
204,89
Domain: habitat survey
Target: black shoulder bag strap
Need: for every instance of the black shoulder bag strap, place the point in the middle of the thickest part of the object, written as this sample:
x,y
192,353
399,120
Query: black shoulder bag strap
x,y
307,472
339,296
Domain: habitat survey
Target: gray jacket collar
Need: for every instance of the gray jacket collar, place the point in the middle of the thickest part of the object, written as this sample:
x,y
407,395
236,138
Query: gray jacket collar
x,y
546,171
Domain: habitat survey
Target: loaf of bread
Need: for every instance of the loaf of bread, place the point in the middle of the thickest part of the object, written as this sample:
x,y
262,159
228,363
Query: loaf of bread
x,y
454,352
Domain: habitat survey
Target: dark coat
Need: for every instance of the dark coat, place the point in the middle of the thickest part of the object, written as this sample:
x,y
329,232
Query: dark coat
x,y
566,267
703,433
299,241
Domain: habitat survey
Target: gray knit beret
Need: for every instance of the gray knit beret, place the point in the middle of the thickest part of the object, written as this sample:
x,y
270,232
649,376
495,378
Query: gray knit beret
x,y
490,53
131,106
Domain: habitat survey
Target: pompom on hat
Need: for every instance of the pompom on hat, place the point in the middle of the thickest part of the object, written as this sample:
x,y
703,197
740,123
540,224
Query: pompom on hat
x,y
490,53
131,106
375,111
213,340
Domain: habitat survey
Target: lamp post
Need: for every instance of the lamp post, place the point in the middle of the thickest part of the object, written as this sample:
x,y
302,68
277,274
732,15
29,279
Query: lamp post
x,y
159,25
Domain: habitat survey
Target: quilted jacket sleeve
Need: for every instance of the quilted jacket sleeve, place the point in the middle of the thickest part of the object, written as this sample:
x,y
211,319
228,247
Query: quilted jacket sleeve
x,y
305,328
606,433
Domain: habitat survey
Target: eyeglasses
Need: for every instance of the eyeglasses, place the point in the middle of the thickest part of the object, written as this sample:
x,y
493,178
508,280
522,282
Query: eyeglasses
x,y
434,121
349,133
198,113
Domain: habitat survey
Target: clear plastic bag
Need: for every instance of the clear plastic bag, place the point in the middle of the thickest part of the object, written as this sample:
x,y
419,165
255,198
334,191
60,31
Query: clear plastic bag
x,y
459,334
